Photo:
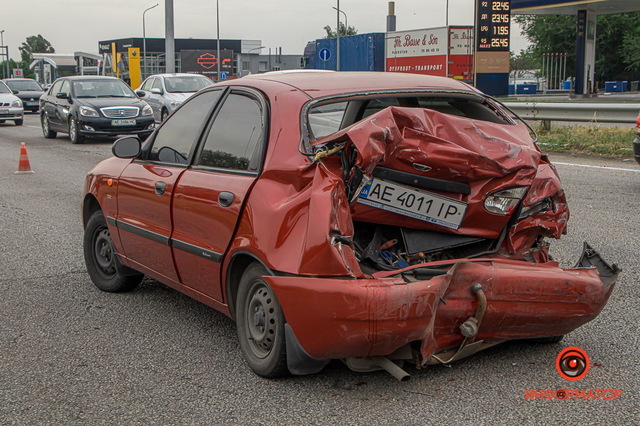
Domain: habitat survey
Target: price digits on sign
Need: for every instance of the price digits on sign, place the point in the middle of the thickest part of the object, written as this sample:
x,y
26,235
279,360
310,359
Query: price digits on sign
x,y
493,25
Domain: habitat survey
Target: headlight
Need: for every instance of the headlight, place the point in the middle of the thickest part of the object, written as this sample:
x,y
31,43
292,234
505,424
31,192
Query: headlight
x,y
16,104
541,206
504,201
146,110
175,103
88,112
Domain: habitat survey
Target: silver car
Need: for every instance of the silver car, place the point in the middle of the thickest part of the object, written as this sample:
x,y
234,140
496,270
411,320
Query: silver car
x,y
10,106
166,92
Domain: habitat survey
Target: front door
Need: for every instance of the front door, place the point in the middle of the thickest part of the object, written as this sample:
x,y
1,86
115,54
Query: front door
x,y
147,185
208,199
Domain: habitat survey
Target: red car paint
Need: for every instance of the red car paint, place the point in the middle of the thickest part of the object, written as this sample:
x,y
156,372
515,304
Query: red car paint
x,y
296,219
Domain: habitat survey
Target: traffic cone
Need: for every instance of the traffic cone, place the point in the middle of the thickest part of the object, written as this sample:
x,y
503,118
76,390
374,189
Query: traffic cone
x,y
24,166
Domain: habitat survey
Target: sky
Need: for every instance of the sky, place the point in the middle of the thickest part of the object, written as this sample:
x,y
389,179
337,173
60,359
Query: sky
x,y
78,25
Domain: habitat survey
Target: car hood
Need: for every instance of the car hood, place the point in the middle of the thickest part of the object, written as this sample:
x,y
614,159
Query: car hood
x,y
7,97
179,96
29,94
109,102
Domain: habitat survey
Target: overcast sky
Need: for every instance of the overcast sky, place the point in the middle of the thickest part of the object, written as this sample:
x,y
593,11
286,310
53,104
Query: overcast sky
x,y
78,25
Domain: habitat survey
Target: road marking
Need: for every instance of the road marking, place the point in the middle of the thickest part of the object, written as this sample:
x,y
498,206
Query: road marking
x,y
618,169
35,127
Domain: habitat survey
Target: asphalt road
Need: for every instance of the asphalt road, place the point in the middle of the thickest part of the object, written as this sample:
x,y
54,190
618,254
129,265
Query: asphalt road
x,y
70,354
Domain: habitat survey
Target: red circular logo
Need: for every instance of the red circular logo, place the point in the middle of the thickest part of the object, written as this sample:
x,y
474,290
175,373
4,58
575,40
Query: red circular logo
x,y
572,363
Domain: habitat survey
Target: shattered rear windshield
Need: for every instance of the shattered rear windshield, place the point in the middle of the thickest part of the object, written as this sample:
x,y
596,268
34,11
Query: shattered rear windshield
x,y
329,117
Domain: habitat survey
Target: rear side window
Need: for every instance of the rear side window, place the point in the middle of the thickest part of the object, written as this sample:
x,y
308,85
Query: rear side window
x,y
235,139
174,140
326,119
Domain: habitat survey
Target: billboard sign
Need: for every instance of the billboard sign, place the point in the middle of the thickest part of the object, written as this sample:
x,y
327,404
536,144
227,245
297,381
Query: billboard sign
x,y
206,62
417,51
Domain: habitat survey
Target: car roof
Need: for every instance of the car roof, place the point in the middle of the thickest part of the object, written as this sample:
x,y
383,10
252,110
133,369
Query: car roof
x,y
319,83
89,77
177,74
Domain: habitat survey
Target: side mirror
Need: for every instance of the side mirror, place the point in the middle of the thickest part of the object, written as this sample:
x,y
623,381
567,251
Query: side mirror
x,y
62,95
156,91
127,147
15,92
140,93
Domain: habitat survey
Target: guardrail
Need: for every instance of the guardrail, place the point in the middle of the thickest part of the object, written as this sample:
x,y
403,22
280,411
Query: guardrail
x,y
574,111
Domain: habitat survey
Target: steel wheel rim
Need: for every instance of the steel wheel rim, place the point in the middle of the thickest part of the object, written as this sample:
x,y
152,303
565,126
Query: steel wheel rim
x,y
72,129
45,125
103,252
261,320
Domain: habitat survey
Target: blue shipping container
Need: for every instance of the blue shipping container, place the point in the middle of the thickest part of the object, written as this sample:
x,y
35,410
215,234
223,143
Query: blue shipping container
x,y
526,89
362,52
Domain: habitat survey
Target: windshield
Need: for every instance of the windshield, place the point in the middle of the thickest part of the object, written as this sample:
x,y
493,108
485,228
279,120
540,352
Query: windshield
x,y
102,89
186,83
23,85
3,88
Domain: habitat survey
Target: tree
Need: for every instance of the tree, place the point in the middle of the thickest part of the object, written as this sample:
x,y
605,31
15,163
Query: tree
x,y
524,63
34,44
617,41
344,31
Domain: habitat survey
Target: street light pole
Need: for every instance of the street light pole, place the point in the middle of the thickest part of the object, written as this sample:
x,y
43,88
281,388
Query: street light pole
x,y
218,36
249,53
6,50
346,22
144,42
338,36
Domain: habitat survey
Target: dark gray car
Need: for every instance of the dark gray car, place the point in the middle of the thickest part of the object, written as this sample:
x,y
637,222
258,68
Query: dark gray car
x,y
29,92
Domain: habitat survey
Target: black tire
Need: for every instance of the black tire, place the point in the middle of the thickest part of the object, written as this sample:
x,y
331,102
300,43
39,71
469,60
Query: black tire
x,y
18,122
260,323
46,127
103,266
74,133
163,115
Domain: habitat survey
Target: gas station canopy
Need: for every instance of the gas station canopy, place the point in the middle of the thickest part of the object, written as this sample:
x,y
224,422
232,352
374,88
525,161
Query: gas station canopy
x,y
571,7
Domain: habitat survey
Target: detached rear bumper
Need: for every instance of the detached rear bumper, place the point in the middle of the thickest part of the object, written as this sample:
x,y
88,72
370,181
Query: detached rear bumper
x,y
342,318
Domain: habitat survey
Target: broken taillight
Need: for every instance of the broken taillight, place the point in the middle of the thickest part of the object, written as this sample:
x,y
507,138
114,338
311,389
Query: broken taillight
x,y
504,201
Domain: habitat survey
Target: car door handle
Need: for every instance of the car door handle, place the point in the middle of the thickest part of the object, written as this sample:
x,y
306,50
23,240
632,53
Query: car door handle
x,y
225,199
160,188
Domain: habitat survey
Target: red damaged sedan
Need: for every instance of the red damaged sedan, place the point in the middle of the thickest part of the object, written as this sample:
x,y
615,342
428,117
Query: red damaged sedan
x,y
369,217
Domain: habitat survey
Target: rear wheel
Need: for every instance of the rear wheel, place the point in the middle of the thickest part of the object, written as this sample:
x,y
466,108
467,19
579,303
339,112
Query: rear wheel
x,y
74,134
46,127
100,257
18,122
260,324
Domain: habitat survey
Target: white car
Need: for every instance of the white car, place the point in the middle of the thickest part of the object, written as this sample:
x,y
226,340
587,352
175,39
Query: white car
x,y
166,92
10,106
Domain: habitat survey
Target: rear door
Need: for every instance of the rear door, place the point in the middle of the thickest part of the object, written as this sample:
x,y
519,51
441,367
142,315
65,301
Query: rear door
x,y
146,187
209,196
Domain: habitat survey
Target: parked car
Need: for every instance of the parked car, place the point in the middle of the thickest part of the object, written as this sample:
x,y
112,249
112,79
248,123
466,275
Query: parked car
x,y
93,106
636,141
28,90
166,92
368,217
10,106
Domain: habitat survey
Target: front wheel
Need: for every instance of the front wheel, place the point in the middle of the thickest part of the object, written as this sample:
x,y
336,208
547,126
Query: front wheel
x,y
101,259
260,324
74,134
46,127
18,122
164,115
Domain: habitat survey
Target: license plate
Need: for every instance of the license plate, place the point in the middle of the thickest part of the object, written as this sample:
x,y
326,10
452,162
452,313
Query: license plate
x,y
421,205
4,111
131,122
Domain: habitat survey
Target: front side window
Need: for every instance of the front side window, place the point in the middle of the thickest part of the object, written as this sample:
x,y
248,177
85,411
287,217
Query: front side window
x,y
147,84
4,88
55,89
235,139
174,140
157,84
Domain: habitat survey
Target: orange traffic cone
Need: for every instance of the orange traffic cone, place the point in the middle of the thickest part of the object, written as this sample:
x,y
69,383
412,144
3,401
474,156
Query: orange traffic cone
x,y
24,166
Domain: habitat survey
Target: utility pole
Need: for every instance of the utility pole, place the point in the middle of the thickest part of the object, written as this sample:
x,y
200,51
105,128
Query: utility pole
x,y
218,36
338,37
169,39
